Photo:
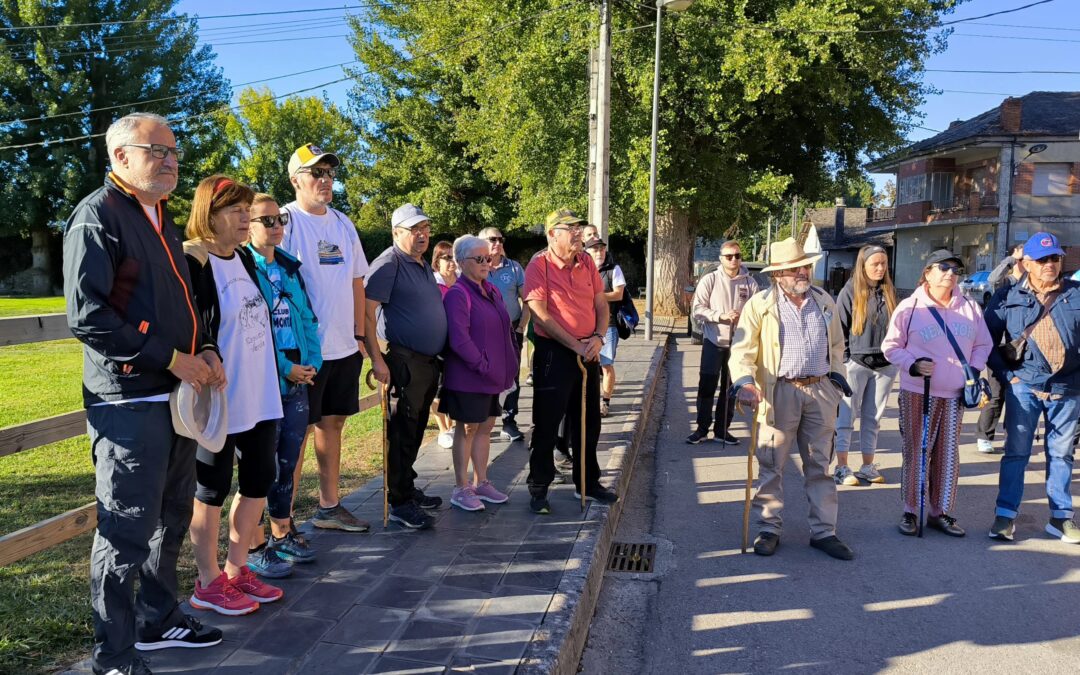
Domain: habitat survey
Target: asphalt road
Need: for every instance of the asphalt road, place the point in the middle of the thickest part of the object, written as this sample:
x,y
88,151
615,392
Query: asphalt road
x,y
904,605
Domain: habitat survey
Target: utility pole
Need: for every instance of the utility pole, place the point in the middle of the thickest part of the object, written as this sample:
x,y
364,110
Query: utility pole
x,y
600,124
768,238
794,216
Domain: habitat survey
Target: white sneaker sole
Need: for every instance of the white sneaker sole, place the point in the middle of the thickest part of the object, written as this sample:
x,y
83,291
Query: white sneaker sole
x,y
1058,534
202,604
412,526
490,500
460,505
169,644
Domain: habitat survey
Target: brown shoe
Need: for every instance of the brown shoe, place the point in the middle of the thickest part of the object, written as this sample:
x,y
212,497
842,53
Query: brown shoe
x,y
766,543
339,518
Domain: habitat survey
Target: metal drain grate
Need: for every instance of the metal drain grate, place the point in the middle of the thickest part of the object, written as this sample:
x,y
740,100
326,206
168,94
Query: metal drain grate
x,y
631,558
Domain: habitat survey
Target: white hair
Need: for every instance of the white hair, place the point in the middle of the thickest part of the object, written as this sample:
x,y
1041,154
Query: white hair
x,y
464,245
488,231
122,131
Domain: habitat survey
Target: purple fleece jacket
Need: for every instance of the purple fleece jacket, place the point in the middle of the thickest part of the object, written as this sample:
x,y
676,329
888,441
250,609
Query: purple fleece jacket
x,y
481,358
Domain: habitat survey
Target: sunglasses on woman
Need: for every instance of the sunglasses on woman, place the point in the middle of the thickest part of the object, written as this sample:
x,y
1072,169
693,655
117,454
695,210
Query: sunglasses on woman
x,y
270,222
495,240
945,268
447,258
480,259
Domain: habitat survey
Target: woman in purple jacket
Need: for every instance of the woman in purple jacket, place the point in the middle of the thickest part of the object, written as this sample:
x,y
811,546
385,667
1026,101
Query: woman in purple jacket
x,y
480,365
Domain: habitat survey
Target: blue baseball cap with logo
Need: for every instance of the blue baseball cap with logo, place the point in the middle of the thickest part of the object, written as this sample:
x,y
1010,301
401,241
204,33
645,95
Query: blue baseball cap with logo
x,y
1042,244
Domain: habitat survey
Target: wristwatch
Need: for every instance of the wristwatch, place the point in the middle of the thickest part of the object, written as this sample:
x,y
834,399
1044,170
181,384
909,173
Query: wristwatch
x,y
358,337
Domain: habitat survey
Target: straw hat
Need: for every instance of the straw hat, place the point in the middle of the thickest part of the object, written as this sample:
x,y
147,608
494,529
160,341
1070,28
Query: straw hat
x,y
202,416
787,254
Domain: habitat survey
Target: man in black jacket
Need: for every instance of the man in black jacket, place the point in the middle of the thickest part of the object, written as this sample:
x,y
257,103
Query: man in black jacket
x,y
129,302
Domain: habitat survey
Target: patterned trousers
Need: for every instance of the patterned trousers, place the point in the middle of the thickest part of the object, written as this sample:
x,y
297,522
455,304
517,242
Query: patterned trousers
x,y
942,454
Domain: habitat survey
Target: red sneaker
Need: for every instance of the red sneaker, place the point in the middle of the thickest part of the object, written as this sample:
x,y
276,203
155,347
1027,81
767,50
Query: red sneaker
x,y
222,597
255,588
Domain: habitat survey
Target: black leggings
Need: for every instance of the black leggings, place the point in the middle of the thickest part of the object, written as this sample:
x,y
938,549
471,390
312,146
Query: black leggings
x,y
256,467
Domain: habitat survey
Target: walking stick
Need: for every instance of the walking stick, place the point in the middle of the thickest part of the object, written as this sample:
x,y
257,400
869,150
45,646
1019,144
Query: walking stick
x,y
922,458
749,479
384,402
581,447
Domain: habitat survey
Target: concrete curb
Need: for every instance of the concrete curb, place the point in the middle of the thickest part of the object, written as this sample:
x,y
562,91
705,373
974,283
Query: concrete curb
x,y
558,643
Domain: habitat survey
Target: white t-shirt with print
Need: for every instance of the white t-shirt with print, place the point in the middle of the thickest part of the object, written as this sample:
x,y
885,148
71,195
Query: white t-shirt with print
x,y
333,256
247,350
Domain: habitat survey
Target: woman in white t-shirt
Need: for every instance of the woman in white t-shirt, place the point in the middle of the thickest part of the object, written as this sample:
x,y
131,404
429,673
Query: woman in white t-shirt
x,y
226,289
446,274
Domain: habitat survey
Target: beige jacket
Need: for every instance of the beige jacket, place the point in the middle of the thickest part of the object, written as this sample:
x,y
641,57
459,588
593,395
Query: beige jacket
x,y
755,353
718,294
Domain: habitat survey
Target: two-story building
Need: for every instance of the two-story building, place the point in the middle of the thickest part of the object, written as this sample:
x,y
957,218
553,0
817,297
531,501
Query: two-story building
x,y
985,184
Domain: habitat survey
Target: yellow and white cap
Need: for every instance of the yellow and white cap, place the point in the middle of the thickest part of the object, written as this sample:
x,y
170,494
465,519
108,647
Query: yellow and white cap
x,y
310,154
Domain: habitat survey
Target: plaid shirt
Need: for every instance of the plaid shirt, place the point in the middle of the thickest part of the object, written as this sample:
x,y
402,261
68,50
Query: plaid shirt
x,y
804,338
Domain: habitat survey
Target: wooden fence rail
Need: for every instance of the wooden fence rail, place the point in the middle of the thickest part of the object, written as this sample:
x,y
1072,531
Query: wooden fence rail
x,y
58,529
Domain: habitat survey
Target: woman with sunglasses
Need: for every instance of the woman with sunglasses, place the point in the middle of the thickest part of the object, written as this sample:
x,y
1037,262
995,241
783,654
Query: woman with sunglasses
x,y
225,285
446,275
480,364
918,345
865,304
299,357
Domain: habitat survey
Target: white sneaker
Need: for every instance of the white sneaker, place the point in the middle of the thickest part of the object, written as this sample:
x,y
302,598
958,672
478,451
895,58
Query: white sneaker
x,y
870,474
845,476
446,440
984,446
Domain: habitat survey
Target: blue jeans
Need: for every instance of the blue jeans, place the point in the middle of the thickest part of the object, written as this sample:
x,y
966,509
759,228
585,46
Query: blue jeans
x,y
1022,412
294,405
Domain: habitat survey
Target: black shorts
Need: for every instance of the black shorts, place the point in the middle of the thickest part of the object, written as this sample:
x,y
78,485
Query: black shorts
x,y
256,465
467,407
336,390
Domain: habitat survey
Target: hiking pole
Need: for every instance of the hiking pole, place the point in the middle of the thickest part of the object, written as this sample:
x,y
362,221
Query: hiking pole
x,y
581,447
384,403
749,478
922,456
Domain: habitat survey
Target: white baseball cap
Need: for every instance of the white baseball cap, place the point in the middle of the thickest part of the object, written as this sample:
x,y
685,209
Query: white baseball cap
x,y
407,216
202,416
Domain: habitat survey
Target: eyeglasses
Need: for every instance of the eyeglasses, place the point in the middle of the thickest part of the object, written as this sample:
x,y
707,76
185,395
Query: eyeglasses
x,y
731,256
479,259
572,229
269,221
496,240
157,150
318,173
945,268
1053,258
447,258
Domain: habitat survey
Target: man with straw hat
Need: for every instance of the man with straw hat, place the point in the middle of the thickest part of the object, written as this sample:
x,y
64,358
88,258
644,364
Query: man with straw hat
x,y
788,361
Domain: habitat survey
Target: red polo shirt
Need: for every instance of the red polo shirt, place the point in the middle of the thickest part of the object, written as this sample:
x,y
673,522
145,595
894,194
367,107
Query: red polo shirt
x,y
569,290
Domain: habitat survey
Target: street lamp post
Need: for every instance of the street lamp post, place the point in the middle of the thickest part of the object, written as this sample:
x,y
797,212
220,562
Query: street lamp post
x,y
650,263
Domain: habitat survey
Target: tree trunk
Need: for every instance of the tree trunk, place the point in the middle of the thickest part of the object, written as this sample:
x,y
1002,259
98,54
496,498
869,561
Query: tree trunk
x,y
40,281
675,236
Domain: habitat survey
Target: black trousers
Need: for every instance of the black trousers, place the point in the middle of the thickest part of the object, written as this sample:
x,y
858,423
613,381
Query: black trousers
x,y
986,427
714,372
510,406
557,394
414,379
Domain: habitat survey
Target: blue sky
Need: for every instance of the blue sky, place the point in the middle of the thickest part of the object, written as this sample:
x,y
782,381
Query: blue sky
x,y
316,39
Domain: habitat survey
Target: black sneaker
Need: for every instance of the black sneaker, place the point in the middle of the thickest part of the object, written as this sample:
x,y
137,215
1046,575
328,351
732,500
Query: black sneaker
x,y
598,493
1003,529
412,516
766,543
727,439
1064,529
510,431
424,501
833,547
697,437
540,505
945,523
909,525
136,667
189,633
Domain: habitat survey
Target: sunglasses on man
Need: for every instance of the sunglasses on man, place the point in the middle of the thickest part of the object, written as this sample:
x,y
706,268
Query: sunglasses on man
x,y
1048,259
270,222
731,256
319,173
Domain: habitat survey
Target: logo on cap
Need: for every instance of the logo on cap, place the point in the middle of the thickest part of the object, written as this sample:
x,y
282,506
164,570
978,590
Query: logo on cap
x,y
315,150
1046,241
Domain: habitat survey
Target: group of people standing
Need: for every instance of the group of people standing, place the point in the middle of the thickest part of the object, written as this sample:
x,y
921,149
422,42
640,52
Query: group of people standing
x,y
811,367
273,309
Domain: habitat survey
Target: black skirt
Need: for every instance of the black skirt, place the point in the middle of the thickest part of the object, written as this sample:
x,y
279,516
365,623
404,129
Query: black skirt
x,y
467,407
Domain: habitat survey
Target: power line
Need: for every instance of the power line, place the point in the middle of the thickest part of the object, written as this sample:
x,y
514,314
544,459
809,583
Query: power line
x,y
999,72
985,93
1014,37
1012,25
998,13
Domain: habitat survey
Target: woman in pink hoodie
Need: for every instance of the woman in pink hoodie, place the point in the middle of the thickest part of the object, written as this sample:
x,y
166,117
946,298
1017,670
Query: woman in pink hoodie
x,y
917,344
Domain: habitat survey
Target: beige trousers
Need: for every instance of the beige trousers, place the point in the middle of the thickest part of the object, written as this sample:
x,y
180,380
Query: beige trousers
x,y
806,416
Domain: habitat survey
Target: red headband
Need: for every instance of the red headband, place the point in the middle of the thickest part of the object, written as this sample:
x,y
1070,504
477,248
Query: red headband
x,y
221,184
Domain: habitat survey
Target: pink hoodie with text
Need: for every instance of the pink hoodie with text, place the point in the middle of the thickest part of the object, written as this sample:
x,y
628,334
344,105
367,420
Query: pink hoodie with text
x,y
914,334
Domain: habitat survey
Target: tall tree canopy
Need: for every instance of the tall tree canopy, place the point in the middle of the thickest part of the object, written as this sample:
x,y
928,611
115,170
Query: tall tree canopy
x,y
760,99
87,63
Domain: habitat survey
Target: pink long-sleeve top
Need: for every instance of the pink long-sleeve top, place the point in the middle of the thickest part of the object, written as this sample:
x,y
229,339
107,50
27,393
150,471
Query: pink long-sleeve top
x,y
914,333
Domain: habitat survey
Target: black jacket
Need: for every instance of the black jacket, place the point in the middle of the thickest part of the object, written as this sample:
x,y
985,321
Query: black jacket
x,y
865,348
128,296
607,272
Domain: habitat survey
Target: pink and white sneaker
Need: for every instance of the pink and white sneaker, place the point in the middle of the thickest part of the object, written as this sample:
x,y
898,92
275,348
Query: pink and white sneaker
x,y
465,498
255,588
221,596
487,492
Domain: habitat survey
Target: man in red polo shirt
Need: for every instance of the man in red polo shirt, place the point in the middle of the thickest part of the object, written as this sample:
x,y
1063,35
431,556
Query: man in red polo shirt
x,y
570,314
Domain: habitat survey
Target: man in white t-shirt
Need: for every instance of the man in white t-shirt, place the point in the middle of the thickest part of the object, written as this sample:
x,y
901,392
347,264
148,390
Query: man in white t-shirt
x,y
333,267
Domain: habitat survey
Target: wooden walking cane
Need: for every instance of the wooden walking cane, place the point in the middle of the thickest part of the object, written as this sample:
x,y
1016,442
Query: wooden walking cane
x,y
749,478
384,403
581,446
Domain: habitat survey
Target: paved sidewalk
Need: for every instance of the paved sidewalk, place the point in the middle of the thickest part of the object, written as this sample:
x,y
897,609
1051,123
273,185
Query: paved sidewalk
x,y
904,605
471,595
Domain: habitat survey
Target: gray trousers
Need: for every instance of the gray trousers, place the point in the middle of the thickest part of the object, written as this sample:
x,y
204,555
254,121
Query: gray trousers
x,y
869,392
145,487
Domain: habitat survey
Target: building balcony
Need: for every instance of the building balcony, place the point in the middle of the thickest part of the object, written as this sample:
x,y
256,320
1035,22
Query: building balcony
x,y
971,204
881,215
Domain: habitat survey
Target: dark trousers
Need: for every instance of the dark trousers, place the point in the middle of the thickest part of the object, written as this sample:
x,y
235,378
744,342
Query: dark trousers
x,y
145,486
414,379
557,394
986,427
510,406
712,373
291,433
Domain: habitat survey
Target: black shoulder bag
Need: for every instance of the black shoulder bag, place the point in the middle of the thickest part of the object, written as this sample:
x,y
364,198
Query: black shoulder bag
x,y
976,388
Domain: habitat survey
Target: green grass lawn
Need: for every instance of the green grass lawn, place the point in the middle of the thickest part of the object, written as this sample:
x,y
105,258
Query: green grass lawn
x,y
44,599
11,306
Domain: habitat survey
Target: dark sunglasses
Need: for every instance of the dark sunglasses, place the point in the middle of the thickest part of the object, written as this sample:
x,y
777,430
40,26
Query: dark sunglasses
x,y
479,259
946,267
270,222
731,256
496,240
1047,259
448,258
318,173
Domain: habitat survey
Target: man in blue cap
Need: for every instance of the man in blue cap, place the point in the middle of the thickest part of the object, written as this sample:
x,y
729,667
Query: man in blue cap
x,y
1040,361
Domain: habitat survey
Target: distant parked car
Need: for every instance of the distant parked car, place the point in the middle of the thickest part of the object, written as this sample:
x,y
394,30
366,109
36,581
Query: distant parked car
x,y
977,287
703,267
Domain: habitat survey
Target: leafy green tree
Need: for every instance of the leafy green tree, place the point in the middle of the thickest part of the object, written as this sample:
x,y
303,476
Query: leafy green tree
x,y
72,81
759,100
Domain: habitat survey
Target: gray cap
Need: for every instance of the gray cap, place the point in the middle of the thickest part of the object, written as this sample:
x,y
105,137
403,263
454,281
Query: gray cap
x,y
407,216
